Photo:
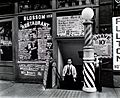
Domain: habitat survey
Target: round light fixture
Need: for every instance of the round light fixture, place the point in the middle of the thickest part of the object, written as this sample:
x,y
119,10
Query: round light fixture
x,y
87,13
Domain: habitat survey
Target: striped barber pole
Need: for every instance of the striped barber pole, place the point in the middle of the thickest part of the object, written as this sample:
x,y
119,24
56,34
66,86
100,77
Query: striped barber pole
x,y
89,74
88,34
88,57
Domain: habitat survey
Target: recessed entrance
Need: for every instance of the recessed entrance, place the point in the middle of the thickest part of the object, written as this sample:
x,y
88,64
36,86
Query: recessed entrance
x,y
71,49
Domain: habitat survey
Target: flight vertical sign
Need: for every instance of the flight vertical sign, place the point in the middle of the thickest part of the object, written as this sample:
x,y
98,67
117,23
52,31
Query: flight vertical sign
x,y
116,42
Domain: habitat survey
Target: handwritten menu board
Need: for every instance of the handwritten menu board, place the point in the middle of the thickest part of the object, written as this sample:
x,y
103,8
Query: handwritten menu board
x,y
34,46
70,26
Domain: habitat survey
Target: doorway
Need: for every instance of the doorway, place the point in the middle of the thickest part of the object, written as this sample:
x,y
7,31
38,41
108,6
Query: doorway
x,y
72,49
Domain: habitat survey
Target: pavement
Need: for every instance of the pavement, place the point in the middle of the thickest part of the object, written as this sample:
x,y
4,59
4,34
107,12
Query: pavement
x,y
9,89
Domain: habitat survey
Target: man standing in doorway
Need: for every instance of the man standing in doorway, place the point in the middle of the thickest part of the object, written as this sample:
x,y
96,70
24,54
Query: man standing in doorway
x,y
69,75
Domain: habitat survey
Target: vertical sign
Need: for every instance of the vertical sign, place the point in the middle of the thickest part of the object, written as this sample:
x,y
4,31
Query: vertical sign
x,y
116,43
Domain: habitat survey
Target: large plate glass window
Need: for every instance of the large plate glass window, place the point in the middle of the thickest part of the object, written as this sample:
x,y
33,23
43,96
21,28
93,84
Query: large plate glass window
x,y
6,41
34,46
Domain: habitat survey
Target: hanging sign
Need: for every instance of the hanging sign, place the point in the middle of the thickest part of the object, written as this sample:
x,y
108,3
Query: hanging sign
x,y
116,43
103,45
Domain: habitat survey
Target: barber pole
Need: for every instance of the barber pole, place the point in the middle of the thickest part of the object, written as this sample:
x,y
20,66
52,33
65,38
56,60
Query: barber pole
x,y
88,59
89,77
88,33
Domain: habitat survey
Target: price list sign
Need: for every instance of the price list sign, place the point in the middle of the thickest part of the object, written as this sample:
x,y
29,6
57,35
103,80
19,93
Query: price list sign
x,y
70,26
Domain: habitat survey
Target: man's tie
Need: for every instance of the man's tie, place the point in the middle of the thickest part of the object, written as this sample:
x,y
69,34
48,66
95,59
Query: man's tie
x,y
69,70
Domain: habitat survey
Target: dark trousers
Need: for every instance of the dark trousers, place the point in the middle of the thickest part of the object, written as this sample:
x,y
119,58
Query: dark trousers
x,y
98,79
68,82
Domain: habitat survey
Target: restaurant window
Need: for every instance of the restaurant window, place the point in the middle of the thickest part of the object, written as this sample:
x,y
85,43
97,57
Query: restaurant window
x,y
35,37
6,41
35,47
31,5
71,3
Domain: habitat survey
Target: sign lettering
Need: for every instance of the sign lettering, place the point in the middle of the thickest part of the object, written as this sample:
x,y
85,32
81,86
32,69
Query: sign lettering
x,y
116,43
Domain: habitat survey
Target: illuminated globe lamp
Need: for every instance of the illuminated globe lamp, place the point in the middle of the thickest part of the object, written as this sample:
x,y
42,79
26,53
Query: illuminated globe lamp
x,y
88,52
87,13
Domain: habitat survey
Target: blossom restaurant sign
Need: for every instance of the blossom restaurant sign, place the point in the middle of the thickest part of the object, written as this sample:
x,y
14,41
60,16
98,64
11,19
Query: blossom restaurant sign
x,y
116,43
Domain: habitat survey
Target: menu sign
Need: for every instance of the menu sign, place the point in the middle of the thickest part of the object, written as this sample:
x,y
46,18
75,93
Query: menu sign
x,y
32,69
103,45
34,46
34,37
70,26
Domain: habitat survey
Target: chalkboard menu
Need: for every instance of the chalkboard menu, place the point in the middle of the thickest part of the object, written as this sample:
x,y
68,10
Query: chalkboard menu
x,y
34,46
70,26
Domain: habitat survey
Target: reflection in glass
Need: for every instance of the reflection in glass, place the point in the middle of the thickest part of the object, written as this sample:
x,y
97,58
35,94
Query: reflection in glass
x,y
30,5
6,41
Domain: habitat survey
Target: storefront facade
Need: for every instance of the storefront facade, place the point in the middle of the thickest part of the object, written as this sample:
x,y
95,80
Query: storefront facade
x,y
35,33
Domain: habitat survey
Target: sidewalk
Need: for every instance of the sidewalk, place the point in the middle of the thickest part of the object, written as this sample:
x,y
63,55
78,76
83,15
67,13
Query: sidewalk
x,y
24,90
